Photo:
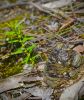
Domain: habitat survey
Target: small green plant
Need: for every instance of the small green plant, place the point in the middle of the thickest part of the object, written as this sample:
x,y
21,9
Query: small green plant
x,y
21,43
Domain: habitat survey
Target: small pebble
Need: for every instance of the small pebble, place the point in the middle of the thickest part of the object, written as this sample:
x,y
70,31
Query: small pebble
x,y
41,66
72,73
66,75
27,67
27,22
3,49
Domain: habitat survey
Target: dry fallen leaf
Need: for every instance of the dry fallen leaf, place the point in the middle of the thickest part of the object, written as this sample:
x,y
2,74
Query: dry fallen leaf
x,y
79,49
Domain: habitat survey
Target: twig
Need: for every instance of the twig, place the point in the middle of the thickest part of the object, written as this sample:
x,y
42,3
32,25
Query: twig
x,y
58,37
63,40
67,23
42,9
77,30
50,11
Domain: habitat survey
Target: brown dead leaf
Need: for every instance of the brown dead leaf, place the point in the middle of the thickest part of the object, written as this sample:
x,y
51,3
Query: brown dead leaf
x,y
67,23
79,49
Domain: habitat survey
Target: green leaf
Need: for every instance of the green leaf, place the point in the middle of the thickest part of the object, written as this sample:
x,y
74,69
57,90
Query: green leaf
x,y
35,57
18,51
10,33
31,48
13,41
27,59
27,39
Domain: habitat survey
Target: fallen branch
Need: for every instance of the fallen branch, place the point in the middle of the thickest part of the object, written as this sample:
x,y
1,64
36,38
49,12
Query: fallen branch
x,y
18,81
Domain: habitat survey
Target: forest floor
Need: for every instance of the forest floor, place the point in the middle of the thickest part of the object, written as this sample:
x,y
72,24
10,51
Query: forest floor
x,y
55,32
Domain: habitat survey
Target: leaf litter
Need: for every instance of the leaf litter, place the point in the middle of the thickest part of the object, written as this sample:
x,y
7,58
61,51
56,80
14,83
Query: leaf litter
x,y
50,35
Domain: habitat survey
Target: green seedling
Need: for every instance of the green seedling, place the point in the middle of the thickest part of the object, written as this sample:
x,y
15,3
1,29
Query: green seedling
x,y
24,47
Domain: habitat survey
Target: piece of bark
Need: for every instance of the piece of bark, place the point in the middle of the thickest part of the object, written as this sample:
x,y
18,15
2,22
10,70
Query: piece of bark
x,y
72,92
10,83
17,81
